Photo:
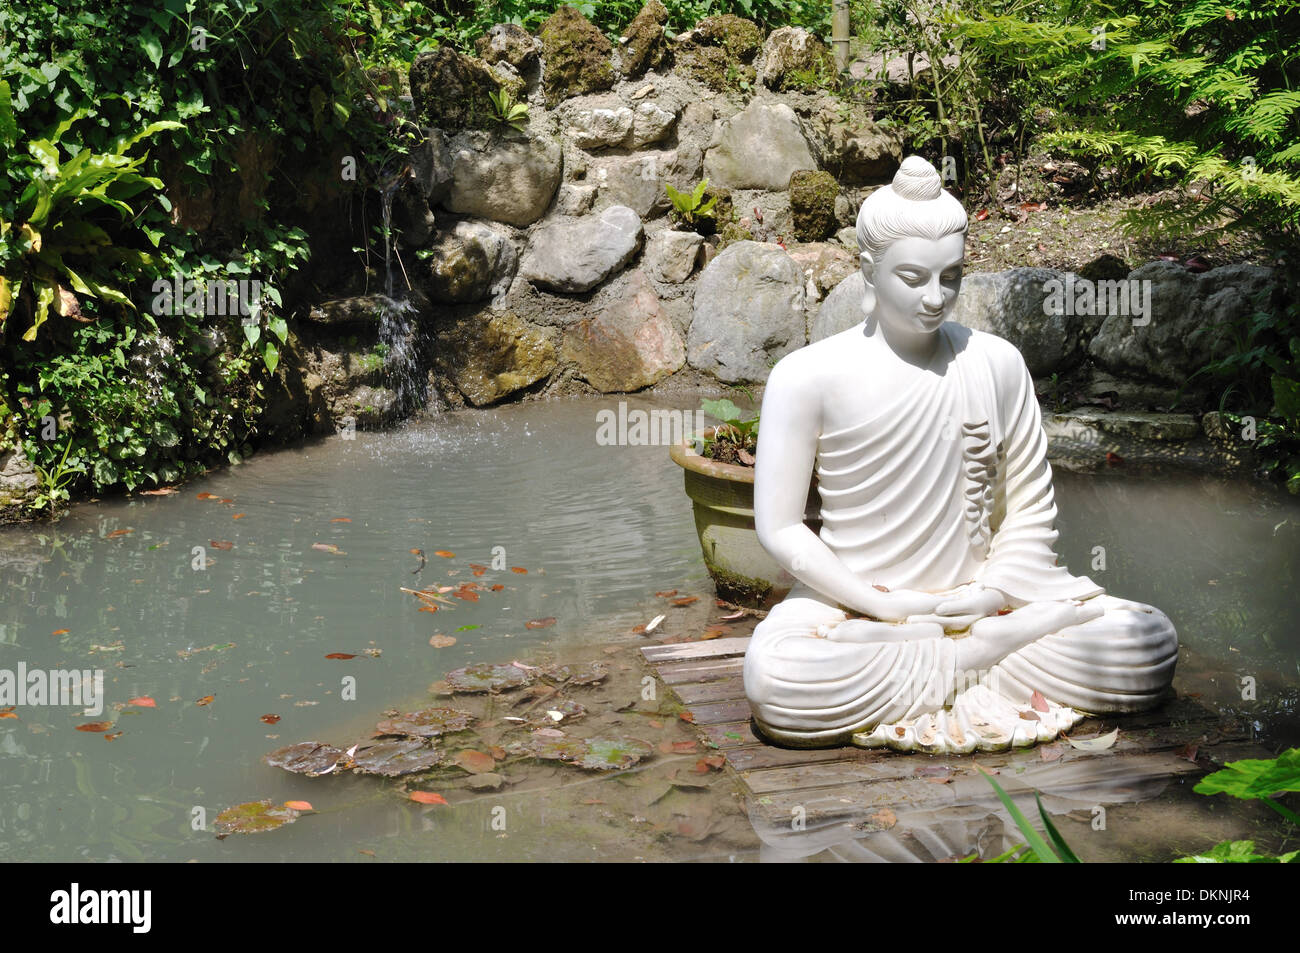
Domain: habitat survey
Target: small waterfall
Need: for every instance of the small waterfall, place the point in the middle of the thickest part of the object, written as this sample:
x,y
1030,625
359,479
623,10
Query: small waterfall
x,y
397,335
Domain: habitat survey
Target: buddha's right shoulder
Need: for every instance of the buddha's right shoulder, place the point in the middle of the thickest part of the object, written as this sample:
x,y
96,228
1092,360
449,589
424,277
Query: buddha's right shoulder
x,y
806,364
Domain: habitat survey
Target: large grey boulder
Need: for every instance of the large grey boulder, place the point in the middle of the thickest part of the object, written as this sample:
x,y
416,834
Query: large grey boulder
x,y
628,346
1011,305
509,43
749,313
841,310
758,148
1182,329
503,178
470,262
576,256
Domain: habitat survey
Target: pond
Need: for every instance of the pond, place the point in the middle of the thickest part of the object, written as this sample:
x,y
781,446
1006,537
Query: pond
x,y
303,553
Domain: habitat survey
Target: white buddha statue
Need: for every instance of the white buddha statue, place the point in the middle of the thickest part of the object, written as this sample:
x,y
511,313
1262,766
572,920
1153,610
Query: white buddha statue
x,y
931,609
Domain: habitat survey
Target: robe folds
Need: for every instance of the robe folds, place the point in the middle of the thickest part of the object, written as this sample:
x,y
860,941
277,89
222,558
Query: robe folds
x,y
946,484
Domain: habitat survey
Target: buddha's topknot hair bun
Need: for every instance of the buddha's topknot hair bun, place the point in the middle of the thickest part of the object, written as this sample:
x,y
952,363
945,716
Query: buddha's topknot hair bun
x,y
917,180
915,204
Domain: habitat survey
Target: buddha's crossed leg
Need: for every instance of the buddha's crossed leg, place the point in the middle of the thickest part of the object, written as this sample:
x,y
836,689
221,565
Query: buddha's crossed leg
x,y
814,677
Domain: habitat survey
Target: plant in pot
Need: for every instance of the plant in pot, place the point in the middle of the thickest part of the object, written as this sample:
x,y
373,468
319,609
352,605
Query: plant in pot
x,y
719,479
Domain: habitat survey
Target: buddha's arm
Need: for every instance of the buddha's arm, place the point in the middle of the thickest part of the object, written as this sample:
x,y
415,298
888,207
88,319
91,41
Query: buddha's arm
x,y
1021,562
787,451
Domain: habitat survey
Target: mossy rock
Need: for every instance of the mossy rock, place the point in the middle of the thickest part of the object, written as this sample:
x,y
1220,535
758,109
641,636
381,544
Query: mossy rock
x,y
812,204
577,56
733,232
720,52
797,59
452,91
508,43
646,47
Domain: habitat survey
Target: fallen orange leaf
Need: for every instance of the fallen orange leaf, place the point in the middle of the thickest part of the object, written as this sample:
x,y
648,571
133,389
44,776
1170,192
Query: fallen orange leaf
x,y
97,726
221,544
205,700
270,719
540,623
120,532
666,594
113,736
340,655
341,519
299,805
498,587
59,632
519,569
686,600
144,701
237,516
445,554
427,797
1038,702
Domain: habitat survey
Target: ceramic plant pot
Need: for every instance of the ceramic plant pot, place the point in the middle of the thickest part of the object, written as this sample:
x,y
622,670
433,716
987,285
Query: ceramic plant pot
x,y
722,495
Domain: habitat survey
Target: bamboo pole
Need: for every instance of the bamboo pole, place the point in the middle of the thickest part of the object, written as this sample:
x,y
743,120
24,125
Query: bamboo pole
x,y
840,34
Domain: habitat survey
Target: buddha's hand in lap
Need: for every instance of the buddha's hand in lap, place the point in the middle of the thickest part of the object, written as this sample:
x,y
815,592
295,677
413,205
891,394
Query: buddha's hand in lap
x,y
993,638
897,605
965,606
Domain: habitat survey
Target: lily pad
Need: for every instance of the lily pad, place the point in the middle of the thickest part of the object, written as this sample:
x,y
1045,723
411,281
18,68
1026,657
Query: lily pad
x,y
311,758
589,674
255,817
613,754
557,749
391,759
485,677
428,723
568,710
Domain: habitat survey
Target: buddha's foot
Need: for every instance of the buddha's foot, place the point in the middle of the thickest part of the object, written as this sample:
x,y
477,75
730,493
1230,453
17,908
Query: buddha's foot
x,y
978,720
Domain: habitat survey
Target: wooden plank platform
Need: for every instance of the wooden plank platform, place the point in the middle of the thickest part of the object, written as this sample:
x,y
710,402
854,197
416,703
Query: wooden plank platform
x,y
850,783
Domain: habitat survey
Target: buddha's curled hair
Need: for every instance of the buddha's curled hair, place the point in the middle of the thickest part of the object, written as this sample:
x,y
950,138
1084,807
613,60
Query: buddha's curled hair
x,y
914,205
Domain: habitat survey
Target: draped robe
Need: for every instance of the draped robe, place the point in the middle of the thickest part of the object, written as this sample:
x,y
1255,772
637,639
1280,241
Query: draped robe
x,y
946,484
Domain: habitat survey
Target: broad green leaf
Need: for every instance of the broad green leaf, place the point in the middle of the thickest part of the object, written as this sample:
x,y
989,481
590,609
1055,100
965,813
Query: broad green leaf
x,y
1256,777
271,357
252,332
8,126
152,46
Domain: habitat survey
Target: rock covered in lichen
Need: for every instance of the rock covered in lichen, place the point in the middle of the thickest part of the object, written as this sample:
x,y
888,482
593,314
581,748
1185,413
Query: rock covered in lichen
x,y
646,47
576,54
452,91
793,58
508,43
720,51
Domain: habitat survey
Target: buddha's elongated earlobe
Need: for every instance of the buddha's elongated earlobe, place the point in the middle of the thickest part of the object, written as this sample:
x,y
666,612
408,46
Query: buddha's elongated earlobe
x,y
868,266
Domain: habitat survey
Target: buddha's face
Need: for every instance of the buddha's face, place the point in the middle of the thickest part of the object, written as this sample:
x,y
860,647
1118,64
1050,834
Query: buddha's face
x,y
914,282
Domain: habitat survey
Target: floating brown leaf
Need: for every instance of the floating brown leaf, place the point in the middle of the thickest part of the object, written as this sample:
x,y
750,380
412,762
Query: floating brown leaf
x,y
442,641
221,544
114,735
299,805
475,762
340,655
666,594
205,700
540,623
270,719
144,701
498,587
519,569
120,532
96,726
341,519
445,554
686,600
60,632
426,797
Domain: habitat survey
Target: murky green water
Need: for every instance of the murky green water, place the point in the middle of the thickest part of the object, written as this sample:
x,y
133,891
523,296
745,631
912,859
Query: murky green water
x,y
599,530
